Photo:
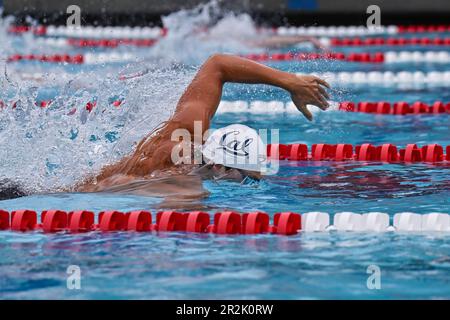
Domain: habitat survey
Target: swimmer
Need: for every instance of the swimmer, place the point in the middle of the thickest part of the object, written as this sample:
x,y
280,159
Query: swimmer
x,y
152,159
150,170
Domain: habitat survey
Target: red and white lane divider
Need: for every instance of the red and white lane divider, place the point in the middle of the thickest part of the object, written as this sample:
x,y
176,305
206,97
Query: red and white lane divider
x,y
397,41
89,42
386,78
92,32
350,31
432,78
149,32
110,43
223,223
376,57
431,153
380,107
86,58
273,107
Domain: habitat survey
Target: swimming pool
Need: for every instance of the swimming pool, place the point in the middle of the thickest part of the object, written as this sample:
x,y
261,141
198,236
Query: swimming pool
x,y
53,149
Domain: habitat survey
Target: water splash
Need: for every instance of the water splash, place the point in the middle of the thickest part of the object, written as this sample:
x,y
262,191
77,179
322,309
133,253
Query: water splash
x,y
197,33
47,149
44,149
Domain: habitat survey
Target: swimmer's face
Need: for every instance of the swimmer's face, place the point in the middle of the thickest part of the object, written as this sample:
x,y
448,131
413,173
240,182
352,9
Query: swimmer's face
x,y
233,173
219,171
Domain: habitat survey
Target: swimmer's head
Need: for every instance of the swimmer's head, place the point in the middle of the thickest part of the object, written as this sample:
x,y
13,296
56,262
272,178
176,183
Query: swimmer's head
x,y
236,150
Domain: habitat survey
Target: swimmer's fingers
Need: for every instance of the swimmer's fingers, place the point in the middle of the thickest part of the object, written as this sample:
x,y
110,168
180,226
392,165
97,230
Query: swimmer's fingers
x,y
321,102
323,92
304,110
322,82
301,106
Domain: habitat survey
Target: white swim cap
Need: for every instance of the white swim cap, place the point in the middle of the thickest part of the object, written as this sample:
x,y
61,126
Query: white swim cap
x,y
236,146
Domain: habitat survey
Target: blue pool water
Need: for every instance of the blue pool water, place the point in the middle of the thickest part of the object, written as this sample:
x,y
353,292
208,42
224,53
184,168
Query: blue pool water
x,y
195,266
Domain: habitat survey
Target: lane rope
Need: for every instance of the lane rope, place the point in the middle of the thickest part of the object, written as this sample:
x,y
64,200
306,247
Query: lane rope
x,y
399,108
431,78
90,42
87,58
391,41
223,223
386,78
378,107
366,57
148,32
91,31
340,31
387,152
377,57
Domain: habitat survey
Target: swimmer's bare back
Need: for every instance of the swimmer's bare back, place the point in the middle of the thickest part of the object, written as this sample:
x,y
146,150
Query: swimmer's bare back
x,y
152,157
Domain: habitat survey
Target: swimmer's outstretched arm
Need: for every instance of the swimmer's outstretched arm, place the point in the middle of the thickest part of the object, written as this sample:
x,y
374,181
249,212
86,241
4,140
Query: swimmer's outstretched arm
x,y
201,98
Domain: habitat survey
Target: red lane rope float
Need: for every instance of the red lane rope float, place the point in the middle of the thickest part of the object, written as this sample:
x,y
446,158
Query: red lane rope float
x,y
55,58
423,28
90,105
110,43
377,57
396,108
397,41
387,152
38,30
224,223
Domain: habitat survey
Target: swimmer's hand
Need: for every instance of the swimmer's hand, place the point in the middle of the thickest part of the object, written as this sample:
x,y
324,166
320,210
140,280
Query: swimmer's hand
x,y
305,89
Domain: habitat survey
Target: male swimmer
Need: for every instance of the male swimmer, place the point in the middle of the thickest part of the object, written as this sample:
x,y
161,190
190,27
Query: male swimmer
x,y
235,152
223,150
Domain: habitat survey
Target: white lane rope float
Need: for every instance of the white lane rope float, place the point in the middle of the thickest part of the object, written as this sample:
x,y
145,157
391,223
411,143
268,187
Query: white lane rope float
x,y
379,107
386,78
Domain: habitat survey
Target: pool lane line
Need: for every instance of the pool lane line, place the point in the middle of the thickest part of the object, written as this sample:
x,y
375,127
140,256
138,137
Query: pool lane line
x,y
148,32
374,78
222,223
366,152
107,32
389,57
399,108
390,41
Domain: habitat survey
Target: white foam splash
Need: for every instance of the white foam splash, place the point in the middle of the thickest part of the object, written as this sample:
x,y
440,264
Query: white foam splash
x,y
195,34
44,149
